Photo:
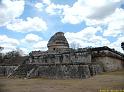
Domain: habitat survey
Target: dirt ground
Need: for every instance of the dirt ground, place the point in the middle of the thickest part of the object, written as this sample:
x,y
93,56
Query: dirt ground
x,y
105,81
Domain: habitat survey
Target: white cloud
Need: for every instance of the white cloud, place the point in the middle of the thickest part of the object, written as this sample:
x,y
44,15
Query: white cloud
x,y
47,2
27,47
41,45
39,6
32,38
75,14
86,33
25,51
5,39
106,14
31,24
95,13
87,37
10,9
95,3
54,9
84,10
8,47
115,24
117,44
33,42
9,44
89,9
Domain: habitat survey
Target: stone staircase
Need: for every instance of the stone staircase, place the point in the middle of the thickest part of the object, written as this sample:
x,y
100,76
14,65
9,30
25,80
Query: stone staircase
x,y
23,71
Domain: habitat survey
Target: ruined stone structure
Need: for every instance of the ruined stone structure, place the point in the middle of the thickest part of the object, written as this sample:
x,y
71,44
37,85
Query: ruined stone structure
x,y
60,61
57,43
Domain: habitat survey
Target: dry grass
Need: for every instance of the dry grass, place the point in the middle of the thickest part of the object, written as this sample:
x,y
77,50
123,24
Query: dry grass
x,y
112,80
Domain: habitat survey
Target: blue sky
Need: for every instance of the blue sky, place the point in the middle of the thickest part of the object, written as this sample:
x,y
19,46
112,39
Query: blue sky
x,y
28,24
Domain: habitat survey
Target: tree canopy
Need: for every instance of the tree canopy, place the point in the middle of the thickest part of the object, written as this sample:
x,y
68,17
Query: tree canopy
x,y
122,45
1,48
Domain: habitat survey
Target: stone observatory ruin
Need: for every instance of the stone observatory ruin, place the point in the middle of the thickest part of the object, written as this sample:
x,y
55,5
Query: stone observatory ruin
x,y
62,62
58,42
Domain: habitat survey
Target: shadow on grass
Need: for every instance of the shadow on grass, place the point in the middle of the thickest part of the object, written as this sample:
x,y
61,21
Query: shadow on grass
x,y
117,72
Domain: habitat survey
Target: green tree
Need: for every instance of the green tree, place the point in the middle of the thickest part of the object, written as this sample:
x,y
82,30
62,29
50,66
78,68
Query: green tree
x,y
122,45
1,48
75,45
12,54
1,54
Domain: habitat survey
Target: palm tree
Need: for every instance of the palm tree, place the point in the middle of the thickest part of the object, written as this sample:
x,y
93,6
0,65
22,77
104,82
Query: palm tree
x,y
122,45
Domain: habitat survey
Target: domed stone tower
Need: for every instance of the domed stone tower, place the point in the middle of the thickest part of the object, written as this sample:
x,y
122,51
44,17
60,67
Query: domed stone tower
x,y
58,42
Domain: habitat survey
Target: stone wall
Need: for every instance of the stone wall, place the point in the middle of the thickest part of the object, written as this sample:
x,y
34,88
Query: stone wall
x,y
54,71
6,70
81,63
110,59
73,57
95,69
59,71
109,63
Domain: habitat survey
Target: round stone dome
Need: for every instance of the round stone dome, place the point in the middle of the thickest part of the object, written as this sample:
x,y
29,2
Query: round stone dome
x,y
57,41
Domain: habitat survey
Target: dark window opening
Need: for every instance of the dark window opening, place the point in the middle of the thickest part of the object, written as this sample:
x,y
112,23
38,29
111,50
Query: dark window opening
x,y
45,61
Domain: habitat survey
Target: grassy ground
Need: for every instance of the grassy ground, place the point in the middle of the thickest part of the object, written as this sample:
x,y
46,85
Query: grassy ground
x,y
111,80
